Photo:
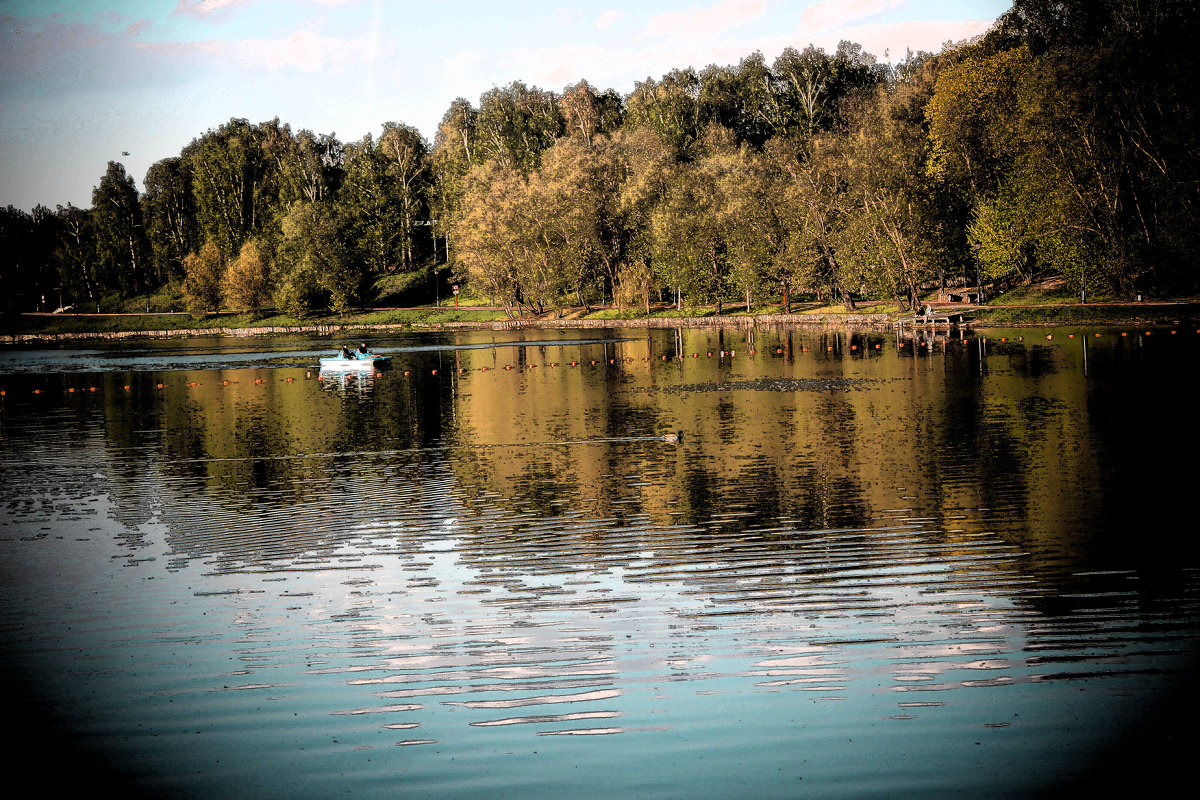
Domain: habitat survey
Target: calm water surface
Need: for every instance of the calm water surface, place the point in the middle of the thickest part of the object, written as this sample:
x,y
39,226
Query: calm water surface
x,y
867,567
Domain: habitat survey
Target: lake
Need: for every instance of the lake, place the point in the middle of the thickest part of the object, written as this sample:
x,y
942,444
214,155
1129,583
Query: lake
x,y
697,563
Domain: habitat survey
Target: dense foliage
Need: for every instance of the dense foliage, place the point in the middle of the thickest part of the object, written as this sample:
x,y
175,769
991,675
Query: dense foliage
x,y
1063,141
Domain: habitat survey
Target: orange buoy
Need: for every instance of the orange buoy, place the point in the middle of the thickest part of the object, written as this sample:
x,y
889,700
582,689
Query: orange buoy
x,y
71,390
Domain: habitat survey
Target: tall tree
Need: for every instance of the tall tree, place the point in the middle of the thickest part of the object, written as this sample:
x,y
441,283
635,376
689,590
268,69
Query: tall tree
x,y
204,274
121,245
234,181
408,171
453,155
170,215
516,124
671,108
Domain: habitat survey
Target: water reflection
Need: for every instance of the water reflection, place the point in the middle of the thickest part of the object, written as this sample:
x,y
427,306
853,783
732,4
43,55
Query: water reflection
x,y
496,547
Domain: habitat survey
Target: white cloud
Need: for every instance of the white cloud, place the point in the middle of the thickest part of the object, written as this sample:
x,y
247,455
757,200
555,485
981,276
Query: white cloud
x,y
896,38
202,8
706,23
607,18
830,15
306,51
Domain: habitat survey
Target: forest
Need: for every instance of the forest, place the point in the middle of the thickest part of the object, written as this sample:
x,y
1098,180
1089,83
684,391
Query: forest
x,y
1062,142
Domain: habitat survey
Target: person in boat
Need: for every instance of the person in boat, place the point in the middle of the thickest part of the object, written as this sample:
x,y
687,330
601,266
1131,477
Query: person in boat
x,y
362,349
346,353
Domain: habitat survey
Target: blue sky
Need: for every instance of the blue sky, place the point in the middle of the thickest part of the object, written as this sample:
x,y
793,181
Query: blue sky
x,y
82,82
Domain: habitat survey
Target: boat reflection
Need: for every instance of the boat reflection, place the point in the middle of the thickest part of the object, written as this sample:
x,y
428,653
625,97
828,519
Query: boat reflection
x,y
349,381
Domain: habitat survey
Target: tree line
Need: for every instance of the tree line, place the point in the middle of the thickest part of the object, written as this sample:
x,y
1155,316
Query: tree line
x,y
1063,141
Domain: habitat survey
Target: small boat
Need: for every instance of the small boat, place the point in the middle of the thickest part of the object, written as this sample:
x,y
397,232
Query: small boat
x,y
360,362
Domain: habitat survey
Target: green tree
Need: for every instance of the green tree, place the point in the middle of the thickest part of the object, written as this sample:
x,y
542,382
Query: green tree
x,y
245,285
234,181
170,214
313,264
516,124
487,233
121,246
204,275
452,157
671,108
693,225
408,172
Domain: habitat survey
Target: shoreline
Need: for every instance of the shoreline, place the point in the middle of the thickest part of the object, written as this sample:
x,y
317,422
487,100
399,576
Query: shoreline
x,y
1158,314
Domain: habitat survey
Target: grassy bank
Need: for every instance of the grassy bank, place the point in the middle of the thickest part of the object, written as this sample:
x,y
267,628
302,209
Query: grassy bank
x,y
1018,308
